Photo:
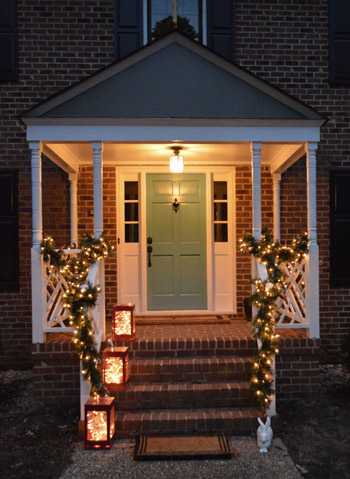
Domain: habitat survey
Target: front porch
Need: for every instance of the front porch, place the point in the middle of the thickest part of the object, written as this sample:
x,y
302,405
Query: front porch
x,y
239,135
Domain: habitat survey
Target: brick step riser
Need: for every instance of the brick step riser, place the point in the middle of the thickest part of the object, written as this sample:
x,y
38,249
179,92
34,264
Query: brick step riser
x,y
184,395
190,353
155,377
231,423
190,370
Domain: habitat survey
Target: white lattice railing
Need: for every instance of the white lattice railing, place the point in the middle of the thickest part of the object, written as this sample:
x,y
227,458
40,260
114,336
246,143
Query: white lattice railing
x,y
292,306
57,317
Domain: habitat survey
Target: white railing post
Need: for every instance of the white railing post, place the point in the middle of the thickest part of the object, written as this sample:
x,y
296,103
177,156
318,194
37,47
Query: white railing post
x,y
276,178
84,394
73,182
97,148
101,300
38,269
312,288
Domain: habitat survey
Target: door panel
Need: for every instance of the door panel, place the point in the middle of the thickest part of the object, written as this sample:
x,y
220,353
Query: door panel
x,y
176,279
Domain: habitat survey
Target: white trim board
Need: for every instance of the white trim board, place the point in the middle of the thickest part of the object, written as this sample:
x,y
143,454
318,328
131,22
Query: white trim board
x,y
212,134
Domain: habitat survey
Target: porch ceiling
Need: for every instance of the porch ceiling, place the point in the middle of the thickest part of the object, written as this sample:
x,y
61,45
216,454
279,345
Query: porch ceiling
x,y
69,156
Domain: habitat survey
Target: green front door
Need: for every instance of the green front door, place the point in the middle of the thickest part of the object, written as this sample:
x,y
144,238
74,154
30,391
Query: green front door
x,y
176,271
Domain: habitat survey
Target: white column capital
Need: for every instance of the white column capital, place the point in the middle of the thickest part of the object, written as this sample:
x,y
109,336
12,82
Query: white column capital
x,y
73,177
276,177
311,146
35,145
255,145
97,145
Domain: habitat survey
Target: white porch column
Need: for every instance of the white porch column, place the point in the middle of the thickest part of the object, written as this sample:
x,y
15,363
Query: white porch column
x,y
255,149
37,218
276,178
73,189
97,148
38,270
313,262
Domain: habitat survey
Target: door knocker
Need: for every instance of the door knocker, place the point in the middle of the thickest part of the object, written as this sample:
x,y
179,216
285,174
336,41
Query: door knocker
x,y
176,205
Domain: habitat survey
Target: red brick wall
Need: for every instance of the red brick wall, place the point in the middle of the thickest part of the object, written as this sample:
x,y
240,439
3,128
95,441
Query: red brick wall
x,y
297,369
56,373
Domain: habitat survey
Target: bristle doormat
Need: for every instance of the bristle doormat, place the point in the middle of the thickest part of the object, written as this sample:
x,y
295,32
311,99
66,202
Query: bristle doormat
x,y
182,447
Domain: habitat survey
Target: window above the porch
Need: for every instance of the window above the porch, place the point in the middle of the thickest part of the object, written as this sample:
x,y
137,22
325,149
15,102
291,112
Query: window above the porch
x,y
138,22
339,41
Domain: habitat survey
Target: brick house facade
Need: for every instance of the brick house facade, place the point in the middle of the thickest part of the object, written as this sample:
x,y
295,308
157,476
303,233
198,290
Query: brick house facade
x,y
61,43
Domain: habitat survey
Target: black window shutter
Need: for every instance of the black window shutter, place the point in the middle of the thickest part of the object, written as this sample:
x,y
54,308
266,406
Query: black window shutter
x,y
339,41
9,230
128,26
221,27
8,40
340,227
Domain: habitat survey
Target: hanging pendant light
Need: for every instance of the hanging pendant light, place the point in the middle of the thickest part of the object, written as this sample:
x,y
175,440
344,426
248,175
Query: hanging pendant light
x,y
176,160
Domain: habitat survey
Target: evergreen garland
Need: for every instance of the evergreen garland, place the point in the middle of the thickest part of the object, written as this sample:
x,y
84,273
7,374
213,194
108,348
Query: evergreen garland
x,y
80,297
272,255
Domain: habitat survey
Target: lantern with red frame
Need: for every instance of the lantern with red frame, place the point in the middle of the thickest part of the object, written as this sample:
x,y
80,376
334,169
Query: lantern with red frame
x,y
99,423
123,324
115,368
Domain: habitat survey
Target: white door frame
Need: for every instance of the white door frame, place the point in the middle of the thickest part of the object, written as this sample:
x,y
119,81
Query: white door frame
x,y
130,254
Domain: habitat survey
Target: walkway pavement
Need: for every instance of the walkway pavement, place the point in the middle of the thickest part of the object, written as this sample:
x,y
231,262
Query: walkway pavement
x,y
249,463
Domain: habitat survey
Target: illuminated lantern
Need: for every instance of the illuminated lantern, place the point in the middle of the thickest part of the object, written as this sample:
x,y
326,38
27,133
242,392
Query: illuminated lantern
x,y
123,325
99,423
115,366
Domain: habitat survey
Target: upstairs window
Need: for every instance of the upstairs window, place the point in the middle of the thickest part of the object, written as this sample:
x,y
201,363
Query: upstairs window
x,y
160,19
340,227
8,40
210,22
339,41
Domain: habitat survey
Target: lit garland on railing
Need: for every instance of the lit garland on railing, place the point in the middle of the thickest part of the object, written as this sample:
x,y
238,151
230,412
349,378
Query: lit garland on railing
x,y
79,297
272,255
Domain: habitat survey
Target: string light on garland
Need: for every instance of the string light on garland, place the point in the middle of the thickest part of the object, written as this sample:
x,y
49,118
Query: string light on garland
x,y
80,297
272,255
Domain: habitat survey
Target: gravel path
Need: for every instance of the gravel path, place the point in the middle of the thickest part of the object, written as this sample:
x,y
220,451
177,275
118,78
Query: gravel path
x,y
119,463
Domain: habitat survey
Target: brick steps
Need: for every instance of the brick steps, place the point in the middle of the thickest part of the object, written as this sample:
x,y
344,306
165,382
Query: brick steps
x,y
184,395
189,421
191,347
188,379
190,369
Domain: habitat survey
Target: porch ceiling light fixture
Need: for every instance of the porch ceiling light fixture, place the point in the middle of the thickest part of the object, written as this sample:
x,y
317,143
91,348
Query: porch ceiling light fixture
x,y
176,160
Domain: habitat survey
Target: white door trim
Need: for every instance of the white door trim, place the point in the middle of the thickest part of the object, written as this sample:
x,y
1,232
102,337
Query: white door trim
x,y
132,173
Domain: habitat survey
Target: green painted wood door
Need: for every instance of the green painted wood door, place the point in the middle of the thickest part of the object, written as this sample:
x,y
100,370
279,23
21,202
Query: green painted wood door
x,y
177,277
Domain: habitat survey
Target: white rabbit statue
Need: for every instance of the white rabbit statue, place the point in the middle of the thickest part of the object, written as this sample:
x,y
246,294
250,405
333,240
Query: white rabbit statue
x,y
264,434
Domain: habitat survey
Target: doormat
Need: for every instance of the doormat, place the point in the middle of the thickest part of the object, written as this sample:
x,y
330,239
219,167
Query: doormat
x,y
150,448
173,319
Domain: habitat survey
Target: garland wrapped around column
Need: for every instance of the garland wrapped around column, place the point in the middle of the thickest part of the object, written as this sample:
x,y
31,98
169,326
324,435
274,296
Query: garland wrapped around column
x,y
79,297
272,255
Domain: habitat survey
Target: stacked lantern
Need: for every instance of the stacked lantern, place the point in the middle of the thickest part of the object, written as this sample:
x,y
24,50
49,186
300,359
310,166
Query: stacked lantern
x,y
115,366
123,324
99,423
